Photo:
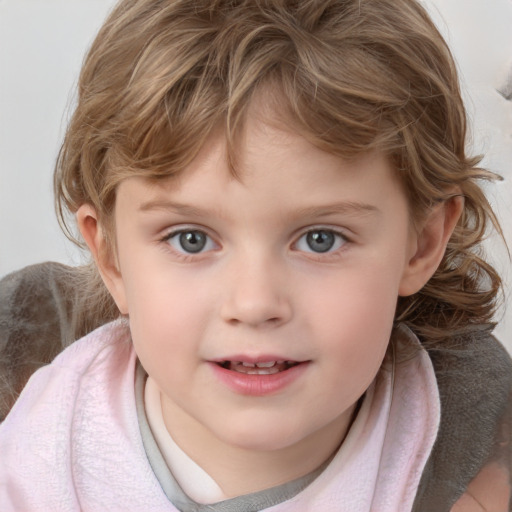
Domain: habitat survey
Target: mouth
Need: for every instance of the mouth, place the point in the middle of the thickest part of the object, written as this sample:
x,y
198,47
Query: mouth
x,y
258,376
260,368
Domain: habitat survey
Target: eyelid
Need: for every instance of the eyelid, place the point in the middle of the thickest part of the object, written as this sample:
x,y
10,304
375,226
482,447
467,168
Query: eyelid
x,y
343,232
171,231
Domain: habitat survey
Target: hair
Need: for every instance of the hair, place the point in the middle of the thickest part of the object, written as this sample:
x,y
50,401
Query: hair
x,y
352,76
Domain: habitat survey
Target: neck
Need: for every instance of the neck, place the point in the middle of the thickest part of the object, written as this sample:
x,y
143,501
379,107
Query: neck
x,y
240,470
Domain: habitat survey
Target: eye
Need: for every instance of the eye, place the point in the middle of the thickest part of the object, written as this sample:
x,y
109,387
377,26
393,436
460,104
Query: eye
x,y
320,241
190,241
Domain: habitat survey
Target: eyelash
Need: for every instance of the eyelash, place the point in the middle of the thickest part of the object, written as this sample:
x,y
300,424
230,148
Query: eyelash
x,y
340,239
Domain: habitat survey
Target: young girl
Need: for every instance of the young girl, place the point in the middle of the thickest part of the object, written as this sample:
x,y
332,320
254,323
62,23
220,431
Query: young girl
x,y
277,198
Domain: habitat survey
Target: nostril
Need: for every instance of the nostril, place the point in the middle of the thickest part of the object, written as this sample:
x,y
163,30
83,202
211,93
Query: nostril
x,y
263,321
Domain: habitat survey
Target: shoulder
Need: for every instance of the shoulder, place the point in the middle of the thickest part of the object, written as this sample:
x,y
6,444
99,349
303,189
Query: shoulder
x,y
66,415
86,363
92,361
474,377
476,346
35,312
97,348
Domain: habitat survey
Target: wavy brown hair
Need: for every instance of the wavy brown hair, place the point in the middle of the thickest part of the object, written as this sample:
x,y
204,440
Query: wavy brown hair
x,y
352,76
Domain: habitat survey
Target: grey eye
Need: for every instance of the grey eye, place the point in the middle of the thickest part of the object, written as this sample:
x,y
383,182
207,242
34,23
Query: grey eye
x,y
192,241
320,241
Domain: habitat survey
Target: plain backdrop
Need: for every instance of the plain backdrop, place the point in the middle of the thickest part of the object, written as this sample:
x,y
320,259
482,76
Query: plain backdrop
x,y
42,43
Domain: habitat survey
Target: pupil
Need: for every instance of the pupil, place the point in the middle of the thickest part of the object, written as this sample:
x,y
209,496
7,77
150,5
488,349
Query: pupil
x,y
320,241
193,241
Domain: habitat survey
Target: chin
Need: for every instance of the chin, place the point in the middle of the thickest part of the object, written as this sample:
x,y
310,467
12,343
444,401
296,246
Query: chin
x,y
262,438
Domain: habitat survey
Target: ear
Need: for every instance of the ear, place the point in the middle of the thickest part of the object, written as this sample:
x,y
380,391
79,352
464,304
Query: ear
x,y
430,245
94,236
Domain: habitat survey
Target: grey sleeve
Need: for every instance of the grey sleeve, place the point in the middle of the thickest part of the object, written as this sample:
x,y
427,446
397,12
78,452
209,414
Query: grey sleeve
x,y
475,385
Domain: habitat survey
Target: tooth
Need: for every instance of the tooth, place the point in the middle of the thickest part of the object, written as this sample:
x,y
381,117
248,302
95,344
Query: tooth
x,y
262,371
268,371
248,365
269,364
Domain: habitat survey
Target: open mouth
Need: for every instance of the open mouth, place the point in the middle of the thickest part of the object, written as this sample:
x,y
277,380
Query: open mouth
x,y
263,368
258,377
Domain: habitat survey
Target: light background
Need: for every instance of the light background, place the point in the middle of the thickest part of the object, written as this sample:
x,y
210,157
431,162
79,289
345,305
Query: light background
x,y
42,43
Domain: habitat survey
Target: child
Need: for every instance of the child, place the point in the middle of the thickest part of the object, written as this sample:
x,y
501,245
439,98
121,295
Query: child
x,y
277,197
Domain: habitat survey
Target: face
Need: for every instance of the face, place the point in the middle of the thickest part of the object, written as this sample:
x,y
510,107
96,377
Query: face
x,y
262,305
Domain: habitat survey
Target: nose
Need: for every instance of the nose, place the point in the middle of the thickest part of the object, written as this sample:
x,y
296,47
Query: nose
x,y
256,294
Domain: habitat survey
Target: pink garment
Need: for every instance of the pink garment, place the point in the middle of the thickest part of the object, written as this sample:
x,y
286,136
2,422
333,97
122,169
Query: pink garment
x,y
72,440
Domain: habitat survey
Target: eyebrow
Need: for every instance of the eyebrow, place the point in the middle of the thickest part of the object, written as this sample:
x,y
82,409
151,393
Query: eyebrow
x,y
166,205
345,208
351,208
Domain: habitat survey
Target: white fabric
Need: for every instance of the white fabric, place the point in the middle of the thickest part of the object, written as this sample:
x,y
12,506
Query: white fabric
x,y
192,478
72,441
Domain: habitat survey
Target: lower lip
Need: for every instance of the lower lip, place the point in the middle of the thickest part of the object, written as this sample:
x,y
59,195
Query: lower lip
x,y
258,385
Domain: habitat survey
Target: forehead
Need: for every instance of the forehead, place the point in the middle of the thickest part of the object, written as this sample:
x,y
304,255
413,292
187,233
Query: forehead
x,y
276,170
267,133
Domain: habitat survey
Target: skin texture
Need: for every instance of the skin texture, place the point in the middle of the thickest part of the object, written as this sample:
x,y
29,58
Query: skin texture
x,y
258,290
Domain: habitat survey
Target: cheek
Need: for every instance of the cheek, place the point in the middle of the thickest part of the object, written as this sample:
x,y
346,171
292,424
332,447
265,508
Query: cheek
x,y
157,290
168,314
362,296
354,318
